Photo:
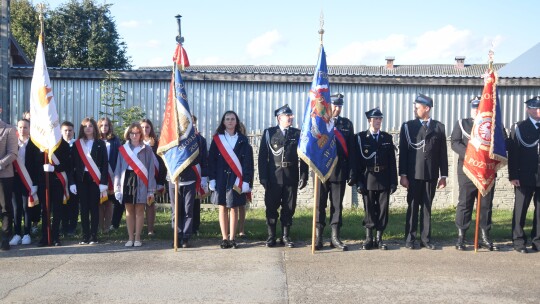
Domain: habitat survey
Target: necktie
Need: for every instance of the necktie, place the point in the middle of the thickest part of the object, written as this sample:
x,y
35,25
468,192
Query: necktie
x,y
376,137
285,132
424,123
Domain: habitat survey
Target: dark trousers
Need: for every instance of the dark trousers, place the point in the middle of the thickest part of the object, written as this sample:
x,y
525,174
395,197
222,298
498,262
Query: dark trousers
x,y
196,214
468,193
118,212
6,210
88,193
419,198
71,214
523,198
20,211
376,209
186,197
56,198
283,196
336,191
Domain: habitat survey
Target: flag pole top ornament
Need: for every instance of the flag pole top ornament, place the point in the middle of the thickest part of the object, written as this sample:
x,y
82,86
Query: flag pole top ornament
x,y
179,38
321,29
41,8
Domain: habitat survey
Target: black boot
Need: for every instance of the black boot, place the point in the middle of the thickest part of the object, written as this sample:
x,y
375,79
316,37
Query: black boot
x,y
460,244
368,242
486,243
319,237
335,242
271,240
379,241
286,240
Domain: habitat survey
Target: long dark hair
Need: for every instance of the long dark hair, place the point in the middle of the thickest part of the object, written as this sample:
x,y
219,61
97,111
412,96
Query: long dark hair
x,y
110,133
152,134
83,125
221,128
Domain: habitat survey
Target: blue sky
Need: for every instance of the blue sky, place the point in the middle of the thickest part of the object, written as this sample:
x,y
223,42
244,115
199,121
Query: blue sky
x,y
356,31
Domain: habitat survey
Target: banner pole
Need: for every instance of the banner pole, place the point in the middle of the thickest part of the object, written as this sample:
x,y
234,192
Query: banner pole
x,y
176,215
478,208
315,208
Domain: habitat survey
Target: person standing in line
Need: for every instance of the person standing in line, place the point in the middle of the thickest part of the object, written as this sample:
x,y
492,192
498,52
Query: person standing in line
x,y
281,173
71,209
524,175
160,171
112,143
24,192
468,192
90,177
230,170
377,177
8,154
203,164
334,187
423,167
134,181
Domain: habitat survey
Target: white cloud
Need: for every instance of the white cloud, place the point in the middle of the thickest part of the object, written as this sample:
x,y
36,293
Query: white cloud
x,y
435,46
264,45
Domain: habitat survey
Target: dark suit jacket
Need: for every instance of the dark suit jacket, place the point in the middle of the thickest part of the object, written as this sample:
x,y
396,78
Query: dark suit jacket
x,y
35,159
459,141
523,161
365,145
99,155
343,171
270,170
426,163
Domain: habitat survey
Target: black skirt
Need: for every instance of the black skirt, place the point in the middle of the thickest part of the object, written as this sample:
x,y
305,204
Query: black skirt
x,y
130,187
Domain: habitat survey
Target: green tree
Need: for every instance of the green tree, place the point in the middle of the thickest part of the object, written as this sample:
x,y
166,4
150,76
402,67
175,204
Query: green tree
x,y
112,96
25,25
128,115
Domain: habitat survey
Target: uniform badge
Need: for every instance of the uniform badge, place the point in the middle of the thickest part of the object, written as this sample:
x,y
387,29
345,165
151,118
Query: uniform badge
x,y
275,146
366,151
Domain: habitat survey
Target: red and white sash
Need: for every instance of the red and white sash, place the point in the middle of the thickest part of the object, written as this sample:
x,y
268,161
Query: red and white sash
x,y
27,182
134,162
89,163
231,159
110,178
198,186
62,176
342,142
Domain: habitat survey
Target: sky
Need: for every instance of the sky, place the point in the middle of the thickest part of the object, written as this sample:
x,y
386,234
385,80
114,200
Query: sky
x,y
356,32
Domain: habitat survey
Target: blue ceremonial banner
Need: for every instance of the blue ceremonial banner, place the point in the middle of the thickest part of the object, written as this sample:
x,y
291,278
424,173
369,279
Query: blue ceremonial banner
x,y
178,145
317,145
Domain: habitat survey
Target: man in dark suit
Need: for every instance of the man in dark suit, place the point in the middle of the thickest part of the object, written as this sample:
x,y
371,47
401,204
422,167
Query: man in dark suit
x,y
422,156
377,176
335,185
524,175
281,173
468,192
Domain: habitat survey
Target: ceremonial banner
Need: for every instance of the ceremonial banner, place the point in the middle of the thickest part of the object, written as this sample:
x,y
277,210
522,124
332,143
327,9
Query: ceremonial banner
x,y
178,145
317,145
45,126
486,151
181,57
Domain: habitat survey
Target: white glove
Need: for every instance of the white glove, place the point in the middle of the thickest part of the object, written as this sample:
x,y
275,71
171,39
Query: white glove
x,y
212,185
245,187
204,183
33,190
118,196
48,168
103,188
73,189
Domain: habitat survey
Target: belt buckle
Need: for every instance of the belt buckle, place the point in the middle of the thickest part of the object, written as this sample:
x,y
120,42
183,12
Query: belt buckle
x,y
376,169
284,164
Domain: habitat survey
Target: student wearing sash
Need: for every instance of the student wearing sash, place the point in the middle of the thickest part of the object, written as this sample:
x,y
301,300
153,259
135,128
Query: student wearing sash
x,y
202,191
281,173
112,143
524,175
230,170
334,187
134,181
23,189
8,154
377,177
423,167
71,209
90,177
468,192
160,171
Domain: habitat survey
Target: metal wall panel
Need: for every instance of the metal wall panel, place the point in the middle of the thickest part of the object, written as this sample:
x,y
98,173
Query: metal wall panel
x,y
255,102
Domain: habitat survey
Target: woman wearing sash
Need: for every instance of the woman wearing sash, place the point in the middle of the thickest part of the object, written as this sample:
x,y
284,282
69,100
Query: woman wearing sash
x,y
160,171
134,181
106,133
230,170
23,188
90,177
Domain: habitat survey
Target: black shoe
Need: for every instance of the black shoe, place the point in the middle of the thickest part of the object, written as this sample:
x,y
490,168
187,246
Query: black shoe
x,y
232,244
285,240
521,249
93,240
224,244
57,243
367,245
84,242
534,248
5,245
271,242
410,245
185,243
427,245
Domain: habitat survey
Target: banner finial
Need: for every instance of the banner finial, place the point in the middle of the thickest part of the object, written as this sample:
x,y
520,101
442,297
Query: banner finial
x,y
321,29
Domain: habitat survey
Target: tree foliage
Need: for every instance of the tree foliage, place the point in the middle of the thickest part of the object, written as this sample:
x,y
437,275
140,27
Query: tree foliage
x,y
77,34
